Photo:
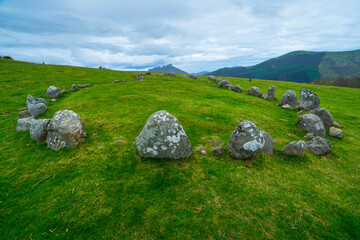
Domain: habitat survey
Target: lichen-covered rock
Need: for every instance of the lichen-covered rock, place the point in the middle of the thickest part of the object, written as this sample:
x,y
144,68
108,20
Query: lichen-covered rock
x,y
269,144
270,94
254,91
37,129
308,100
211,78
290,98
30,101
225,84
296,148
65,129
246,141
319,145
24,114
309,135
37,109
73,87
163,137
52,92
312,123
237,88
324,115
23,124
335,132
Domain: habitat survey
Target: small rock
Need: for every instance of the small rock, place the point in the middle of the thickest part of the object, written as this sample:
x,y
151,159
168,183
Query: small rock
x,y
309,136
335,132
319,145
124,80
199,148
269,144
254,91
270,94
24,124
73,87
148,73
24,114
63,92
116,81
216,143
295,149
139,77
119,141
53,100
336,124
192,76
88,84
219,150
308,100
300,112
290,98
286,106
52,92
237,88
203,152
82,85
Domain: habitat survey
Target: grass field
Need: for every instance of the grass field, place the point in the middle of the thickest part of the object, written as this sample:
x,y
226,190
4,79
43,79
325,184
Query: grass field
x,y
105,190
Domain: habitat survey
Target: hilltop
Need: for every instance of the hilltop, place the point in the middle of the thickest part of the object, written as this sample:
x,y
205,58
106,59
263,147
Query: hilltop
x,y
167,68
300,66
103,189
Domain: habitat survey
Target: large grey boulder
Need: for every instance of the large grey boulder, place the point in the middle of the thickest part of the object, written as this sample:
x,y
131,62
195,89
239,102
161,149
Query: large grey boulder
x,y
269,144
308,100
324,115
290,98
312,123
237,88
246,141
65,129
270,94
296,148
37,129
52,92
319,145
335,132
254,91
163,137
23,124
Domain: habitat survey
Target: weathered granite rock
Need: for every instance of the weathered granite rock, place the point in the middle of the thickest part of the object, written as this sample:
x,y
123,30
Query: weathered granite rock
x,y
24,114
312,123
225,84
336,124
52,92
37,109
246,141
269,144
237,88
37,129
23,124
163,137
65,129
290,98
254,91
319,145
270,94
324,115
309,135
219,150
335,132
308,100
295,149
211,78
192,76
30,101
73,87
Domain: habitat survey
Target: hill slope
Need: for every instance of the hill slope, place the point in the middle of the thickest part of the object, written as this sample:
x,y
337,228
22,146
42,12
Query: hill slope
x,y
300,66
167,68
105,190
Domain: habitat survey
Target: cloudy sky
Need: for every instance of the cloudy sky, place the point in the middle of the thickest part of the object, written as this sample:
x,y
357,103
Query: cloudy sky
x,y
194,35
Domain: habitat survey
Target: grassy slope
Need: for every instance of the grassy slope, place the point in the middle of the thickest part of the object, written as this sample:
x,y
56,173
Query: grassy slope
x,y
112,193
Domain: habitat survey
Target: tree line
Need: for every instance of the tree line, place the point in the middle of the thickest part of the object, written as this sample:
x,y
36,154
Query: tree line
x,y
351,82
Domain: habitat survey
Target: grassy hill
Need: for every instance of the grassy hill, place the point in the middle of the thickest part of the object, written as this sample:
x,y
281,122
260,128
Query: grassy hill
x,y
105,190
300,66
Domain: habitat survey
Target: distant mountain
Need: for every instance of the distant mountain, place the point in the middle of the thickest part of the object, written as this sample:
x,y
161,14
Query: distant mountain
x,y
201,73
300,66
167,68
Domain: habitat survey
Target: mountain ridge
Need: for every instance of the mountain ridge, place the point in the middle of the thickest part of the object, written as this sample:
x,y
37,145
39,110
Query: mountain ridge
x,y
167,68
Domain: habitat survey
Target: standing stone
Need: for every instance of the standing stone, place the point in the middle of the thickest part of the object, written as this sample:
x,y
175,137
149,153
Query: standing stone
x,y
324,115
269,143
312,123
52,92
37,129
163,137
290,98
23,124
73,87
24,114
295,149
30,101
254,91
319,145
335,132
37,109
308,100
237,88
65,129
270,94
246,141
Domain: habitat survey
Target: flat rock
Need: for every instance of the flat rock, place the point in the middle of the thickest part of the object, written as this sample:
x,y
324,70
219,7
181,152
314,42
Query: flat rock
x,y
269,144
254,91
246,141
270,94
65,129
312,123
295,148
290,98
286,106
335,132
308,100
37,129
24,124
52,92
319,145
163,137
324,115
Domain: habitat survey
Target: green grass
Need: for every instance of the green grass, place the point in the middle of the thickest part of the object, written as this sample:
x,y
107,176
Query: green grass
x,y
112,193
